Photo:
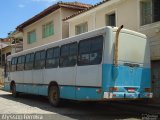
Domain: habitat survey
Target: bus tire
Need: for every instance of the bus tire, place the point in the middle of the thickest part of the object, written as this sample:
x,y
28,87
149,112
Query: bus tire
x,y
13,90
54,96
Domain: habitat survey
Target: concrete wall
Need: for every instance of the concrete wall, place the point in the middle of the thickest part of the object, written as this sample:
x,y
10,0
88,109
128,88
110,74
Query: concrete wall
x,y
153,33
127,14
65,12
55,17
61,28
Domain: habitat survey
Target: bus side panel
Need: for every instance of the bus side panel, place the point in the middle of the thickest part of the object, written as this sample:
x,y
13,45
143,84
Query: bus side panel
x,y
88,93
67,92
88,79
19,77
67,79
33,89
28,76
107,79
15,76
7,86
38,76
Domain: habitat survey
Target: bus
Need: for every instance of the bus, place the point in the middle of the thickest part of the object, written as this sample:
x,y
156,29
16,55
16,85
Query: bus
x,y
105,64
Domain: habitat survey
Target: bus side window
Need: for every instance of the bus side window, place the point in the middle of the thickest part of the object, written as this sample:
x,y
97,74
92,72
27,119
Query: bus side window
x,y
29,61
84,52
20,63
90,51
7,68
68,55
14,64
40,59
73,51
52,57
96,50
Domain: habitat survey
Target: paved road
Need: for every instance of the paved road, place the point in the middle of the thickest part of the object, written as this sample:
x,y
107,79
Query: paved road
x,y
30,104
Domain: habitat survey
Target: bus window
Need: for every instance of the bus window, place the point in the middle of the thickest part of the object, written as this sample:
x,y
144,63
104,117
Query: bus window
x,y
68,55
13,64
8,67
39,60
52,58
84,52
73,54
20,63
90,51
96,50
29,61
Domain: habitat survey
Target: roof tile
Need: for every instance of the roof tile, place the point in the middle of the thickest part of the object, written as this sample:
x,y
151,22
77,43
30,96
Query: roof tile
x,y
85,10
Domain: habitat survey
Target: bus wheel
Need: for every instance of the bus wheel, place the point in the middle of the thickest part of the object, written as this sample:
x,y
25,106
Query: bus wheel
x,y
13,90
54,97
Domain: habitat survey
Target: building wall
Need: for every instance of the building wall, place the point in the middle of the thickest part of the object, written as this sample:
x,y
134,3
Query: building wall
x,y
88,18
153,33
127,14
61,28
97,18
55,17
65,12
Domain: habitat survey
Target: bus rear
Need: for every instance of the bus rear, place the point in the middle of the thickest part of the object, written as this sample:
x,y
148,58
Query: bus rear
x,y
130,78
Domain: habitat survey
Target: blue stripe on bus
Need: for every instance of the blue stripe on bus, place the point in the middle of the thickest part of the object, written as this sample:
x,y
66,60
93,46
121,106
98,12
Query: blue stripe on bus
x,y
88,94
68,92
121,77
80,93
33,89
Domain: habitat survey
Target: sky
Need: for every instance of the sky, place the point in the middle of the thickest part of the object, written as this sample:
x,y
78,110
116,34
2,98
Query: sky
x,y
15,12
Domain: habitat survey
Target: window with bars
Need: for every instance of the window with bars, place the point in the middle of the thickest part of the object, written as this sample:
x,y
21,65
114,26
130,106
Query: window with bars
x,y
48,29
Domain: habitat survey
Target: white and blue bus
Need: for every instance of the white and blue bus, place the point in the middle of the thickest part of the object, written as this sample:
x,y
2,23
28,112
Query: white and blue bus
x,y
105,64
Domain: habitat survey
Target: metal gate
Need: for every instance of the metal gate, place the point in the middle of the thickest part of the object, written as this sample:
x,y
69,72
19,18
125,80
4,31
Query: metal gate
x,y
156,78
